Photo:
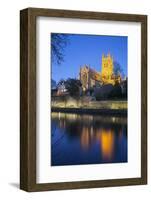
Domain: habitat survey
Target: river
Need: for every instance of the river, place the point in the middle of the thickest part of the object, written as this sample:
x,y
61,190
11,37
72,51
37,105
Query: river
x,y
78,139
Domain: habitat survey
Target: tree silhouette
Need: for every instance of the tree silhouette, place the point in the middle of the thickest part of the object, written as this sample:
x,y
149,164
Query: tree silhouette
x,y
58,44
72,85
117,68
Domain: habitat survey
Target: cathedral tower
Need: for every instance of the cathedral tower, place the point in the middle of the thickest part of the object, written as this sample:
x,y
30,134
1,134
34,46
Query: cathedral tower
x,y
107,65
107,69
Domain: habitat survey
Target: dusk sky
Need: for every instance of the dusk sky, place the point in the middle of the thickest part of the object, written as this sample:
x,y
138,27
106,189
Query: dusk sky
x,y
88,49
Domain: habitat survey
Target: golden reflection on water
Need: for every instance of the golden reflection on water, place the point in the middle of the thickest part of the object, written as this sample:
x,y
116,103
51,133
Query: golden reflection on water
x,y
106,139
85,138
90,134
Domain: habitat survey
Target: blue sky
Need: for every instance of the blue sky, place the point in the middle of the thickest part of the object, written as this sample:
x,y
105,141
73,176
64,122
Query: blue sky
x,y
88,49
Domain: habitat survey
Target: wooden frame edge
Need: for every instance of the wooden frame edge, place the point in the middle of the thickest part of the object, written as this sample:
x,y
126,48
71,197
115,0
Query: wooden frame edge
x,y
24,182
27,100
144,99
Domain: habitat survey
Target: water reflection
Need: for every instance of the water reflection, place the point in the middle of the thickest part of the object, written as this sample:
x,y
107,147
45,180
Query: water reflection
x,y
87,139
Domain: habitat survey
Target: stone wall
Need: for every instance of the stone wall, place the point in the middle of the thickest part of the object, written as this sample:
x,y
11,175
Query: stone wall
x,y
86,102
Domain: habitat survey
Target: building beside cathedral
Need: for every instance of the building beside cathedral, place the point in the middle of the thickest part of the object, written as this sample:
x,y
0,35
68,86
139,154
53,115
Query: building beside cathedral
x,y
91,78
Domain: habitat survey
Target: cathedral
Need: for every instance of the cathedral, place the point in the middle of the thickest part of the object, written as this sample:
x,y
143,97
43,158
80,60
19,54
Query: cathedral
x,y
91,78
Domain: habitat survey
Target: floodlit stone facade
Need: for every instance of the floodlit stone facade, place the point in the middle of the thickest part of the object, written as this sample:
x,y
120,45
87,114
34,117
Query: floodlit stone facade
x,y
91,78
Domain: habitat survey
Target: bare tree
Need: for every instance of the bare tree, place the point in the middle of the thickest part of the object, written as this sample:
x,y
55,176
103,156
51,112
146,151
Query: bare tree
x,y
58,44
117,68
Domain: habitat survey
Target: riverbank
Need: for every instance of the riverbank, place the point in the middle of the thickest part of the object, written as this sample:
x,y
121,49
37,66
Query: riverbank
x,y
86,105
117,112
